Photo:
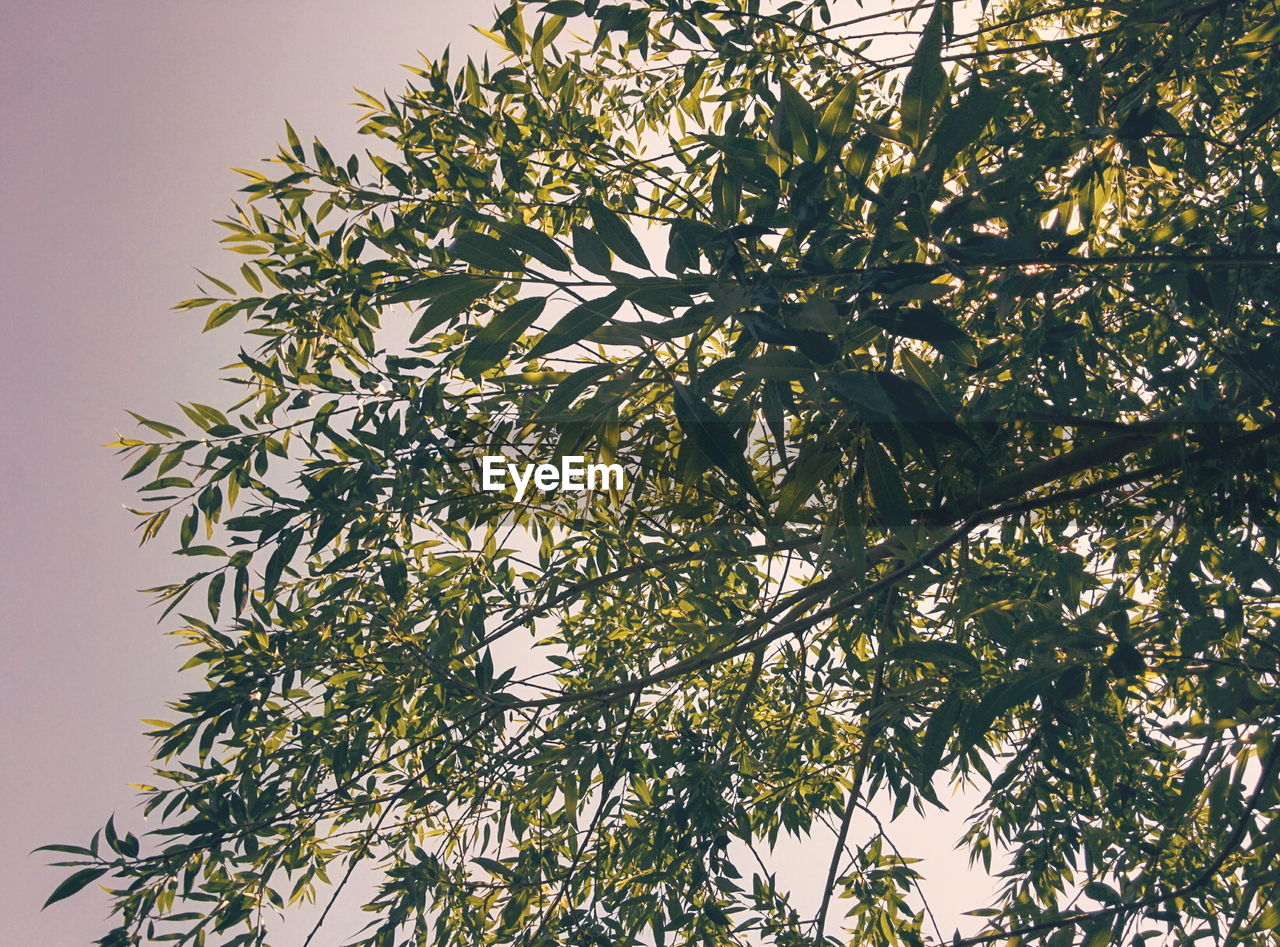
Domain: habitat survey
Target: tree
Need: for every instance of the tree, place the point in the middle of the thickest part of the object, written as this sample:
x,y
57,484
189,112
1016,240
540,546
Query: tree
x,y
943,377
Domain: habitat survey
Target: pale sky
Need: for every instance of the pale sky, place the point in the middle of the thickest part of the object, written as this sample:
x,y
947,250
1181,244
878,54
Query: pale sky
x,y
121,120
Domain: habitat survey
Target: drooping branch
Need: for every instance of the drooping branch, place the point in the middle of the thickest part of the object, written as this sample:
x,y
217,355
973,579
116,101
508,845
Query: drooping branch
x,y
1270,767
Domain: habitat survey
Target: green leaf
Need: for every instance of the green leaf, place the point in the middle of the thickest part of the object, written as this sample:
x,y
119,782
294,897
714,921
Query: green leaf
x,y
294,144
222,315
578,323
861,390
216,585
451,303
1101,891
143,462
535,243
225,287
240,593
863,154
167,483
962,125
925,84
923,374
165,430
802,122
494,341
344,561
935,652
885,481
590,250
686,239
394,573
485,252
572,387
745,151
66,849
781,364
109,834
1010,693
187,531
928,323
837,117
428,288
814,465
774,409
657,294
942,726
201,551
563,7
712,436
74,883
1099,938
280,557
616,235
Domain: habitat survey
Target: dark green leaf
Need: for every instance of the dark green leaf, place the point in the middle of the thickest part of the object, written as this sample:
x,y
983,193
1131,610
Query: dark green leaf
x,y
494,341
885,481
837,116
861,390
814,465
1006,695
617,235
802,123
451,303
535,243
713,437
280,557
942,726
1101,891
961,125
485,252
240,593
74,883
572,387
294,144
590,250
925,84
143,461
578,323
935,652
216,585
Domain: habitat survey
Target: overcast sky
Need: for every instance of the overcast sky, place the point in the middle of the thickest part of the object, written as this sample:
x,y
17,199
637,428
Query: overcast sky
x,y
121,120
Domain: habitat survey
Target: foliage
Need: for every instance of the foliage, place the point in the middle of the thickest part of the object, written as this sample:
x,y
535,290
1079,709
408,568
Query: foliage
x,y
942,366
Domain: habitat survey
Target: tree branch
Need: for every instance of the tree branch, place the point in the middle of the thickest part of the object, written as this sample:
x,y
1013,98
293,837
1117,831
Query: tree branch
x,y
1269,768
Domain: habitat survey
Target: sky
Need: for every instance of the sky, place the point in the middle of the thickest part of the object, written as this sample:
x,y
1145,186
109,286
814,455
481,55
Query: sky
x,y
121,121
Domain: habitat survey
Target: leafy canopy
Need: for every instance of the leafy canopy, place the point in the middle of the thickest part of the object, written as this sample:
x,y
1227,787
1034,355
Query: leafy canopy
x,y
939,345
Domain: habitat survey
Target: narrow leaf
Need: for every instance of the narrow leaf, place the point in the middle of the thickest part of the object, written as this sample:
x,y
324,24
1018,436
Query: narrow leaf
x,y
590,250
962,125
813,466
485,252
74,883
494,341
449,304
578,323
886,485
837,117
617,235
712,436
926,80
535,243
